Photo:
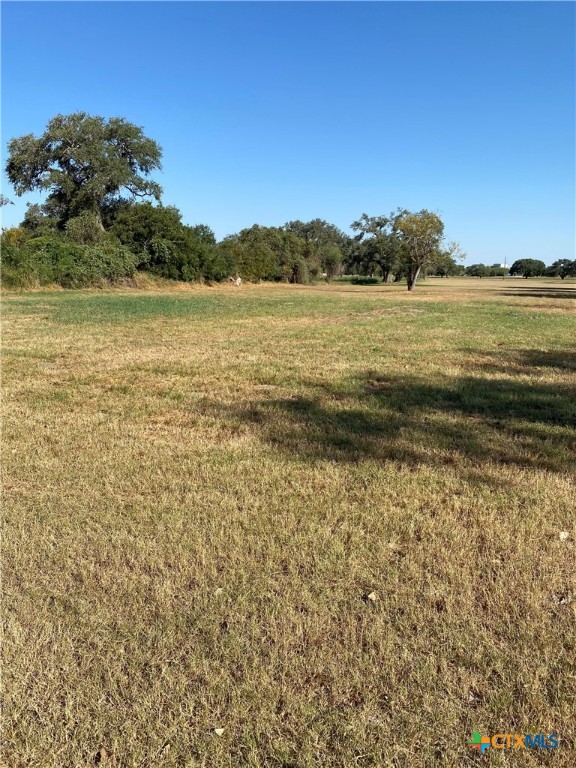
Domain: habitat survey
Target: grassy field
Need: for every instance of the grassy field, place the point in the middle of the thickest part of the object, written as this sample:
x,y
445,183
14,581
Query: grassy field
x,y
282,526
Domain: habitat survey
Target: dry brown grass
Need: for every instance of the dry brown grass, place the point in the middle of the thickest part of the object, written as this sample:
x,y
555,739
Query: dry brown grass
x,y
202,488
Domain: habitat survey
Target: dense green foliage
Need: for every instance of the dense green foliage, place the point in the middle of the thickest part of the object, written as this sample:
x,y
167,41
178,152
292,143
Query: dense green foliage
x,y
268,253
166,247
84,162
478,270
562,268
326,246
87,233
379,244
497,271
528,268
481,270
30,261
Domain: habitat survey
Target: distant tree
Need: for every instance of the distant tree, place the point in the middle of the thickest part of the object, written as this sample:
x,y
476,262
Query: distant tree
x,y
477,270
332,262
84,163
421,235
327,245
562,268
444,266
444,262
167,247
528,268
268,253
497,271
358,261
252,256
319,232
381,244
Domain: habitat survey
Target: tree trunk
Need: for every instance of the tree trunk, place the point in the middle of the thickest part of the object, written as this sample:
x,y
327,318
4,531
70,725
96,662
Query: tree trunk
x,y
412,279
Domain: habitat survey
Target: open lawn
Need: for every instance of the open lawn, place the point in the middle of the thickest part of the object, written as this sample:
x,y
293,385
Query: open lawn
x,y
285,527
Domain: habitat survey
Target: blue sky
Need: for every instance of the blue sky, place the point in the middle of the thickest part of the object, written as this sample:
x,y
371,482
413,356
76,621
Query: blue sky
x,y
269,112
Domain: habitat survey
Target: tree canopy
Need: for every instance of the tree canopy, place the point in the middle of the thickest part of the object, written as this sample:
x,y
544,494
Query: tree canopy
x,y
403,245
84,163
528,268
326,245
562,268
380,243
478,270
421,233
268,253
166,246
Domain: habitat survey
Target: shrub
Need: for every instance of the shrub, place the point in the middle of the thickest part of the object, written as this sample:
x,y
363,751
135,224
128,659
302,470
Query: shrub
x,y
190,258
54,259
359,280
85,229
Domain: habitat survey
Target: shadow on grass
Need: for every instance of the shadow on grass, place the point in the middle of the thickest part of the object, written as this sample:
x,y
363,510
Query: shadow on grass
x,y
541,292
529,361
472,419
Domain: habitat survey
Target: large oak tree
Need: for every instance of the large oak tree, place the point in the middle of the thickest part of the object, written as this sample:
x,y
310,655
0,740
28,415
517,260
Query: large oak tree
x,y
528,268
85,163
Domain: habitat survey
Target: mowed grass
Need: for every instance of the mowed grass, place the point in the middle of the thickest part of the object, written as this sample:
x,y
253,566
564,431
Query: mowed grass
x,y
289,526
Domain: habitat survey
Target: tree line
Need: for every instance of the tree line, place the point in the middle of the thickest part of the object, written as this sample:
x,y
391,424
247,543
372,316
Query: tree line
x,y
103,220
525,268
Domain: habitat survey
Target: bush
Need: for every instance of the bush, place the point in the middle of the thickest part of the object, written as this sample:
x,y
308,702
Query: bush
x,y
85,229
359,280
189,259
217,265
29,263
166,247
110,261
14,278
53,259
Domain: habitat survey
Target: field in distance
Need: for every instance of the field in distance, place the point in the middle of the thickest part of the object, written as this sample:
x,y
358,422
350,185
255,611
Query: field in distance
x,y
289,526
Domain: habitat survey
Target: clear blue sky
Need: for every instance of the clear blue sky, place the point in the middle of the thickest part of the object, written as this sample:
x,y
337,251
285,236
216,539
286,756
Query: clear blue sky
x,y
269,112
